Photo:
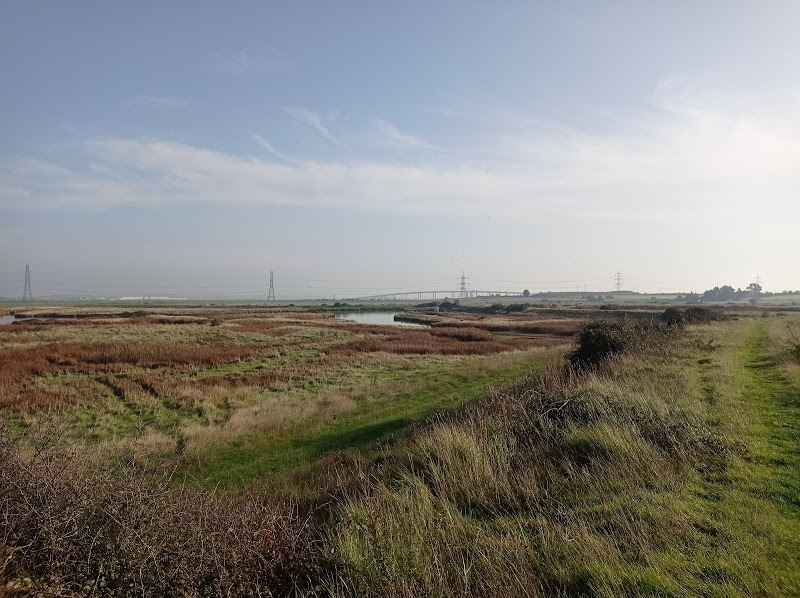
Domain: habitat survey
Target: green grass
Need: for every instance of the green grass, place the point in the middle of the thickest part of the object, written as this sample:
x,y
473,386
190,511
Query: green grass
x,y
434,385
670,474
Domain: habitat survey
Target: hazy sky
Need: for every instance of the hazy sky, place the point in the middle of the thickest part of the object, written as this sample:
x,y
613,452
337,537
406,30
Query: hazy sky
x,y
356,147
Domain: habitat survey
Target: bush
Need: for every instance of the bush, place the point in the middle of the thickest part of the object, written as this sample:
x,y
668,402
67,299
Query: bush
x,y
447,305
676,317
68,532
517,307
596,342
428,304
603,339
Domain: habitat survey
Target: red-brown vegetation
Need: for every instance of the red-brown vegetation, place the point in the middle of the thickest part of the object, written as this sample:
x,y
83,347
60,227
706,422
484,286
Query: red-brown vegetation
x,y
65,531
463,334
561,327
426,342
21,367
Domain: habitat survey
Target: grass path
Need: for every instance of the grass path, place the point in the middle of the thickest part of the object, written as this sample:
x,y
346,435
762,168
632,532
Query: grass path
x,y
250,458
749,540
779,403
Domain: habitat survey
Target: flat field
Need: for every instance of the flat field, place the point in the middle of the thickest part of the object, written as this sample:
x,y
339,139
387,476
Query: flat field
x,y
244,393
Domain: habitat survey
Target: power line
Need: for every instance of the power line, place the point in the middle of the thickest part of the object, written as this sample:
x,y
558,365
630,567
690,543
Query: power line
x,y
192,287
682,284
525,282
364,281
618,280
147,286
159,279
147,278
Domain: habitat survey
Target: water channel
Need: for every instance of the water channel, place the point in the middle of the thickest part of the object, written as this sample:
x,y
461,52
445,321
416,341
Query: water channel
x,y
382,318
10,319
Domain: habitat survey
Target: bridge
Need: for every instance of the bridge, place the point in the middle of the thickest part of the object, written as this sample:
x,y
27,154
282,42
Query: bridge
x,y
419,295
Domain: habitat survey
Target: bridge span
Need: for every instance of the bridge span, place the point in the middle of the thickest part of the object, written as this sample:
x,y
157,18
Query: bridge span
x,y
446,294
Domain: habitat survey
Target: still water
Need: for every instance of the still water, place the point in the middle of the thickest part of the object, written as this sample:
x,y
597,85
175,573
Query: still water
x,y
6,320
384,318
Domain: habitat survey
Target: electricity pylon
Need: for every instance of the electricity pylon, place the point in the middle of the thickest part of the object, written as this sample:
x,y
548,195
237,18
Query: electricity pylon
x,y
271,295
27,295
463,292
618,280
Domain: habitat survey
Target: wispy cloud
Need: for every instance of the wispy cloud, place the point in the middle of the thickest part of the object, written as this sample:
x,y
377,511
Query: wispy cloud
x,y
254,62
384,134
269,147
708,165
310,118
159,102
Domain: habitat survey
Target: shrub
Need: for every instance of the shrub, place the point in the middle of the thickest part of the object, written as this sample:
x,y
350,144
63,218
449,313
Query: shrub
x,y
603,339
447,305
428,304
517,307
676,317
596,342
127,532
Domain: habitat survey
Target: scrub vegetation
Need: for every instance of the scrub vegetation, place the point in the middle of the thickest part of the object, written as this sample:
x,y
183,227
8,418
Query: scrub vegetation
x,y
292,454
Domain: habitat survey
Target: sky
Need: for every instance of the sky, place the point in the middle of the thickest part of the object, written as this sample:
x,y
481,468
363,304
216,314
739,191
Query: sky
x,y
355,148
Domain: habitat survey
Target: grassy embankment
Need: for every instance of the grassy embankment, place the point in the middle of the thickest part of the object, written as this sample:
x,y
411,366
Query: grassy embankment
x,y
672,473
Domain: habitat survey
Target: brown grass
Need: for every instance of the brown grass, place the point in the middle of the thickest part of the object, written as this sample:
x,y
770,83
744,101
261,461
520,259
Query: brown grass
x,y
557,327
463,334
65,531
26,326
21,367
425,342
271,327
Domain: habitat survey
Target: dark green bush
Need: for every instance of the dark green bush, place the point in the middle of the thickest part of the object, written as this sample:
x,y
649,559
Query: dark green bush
x,y
676,317
602,339
516,307
598,341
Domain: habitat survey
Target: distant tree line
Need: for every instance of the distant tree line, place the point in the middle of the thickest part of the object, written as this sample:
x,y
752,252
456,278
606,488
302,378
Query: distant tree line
x,y
726,293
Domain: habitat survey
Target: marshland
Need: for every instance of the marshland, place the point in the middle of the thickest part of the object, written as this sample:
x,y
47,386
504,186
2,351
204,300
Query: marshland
x,y
241,392
494,450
